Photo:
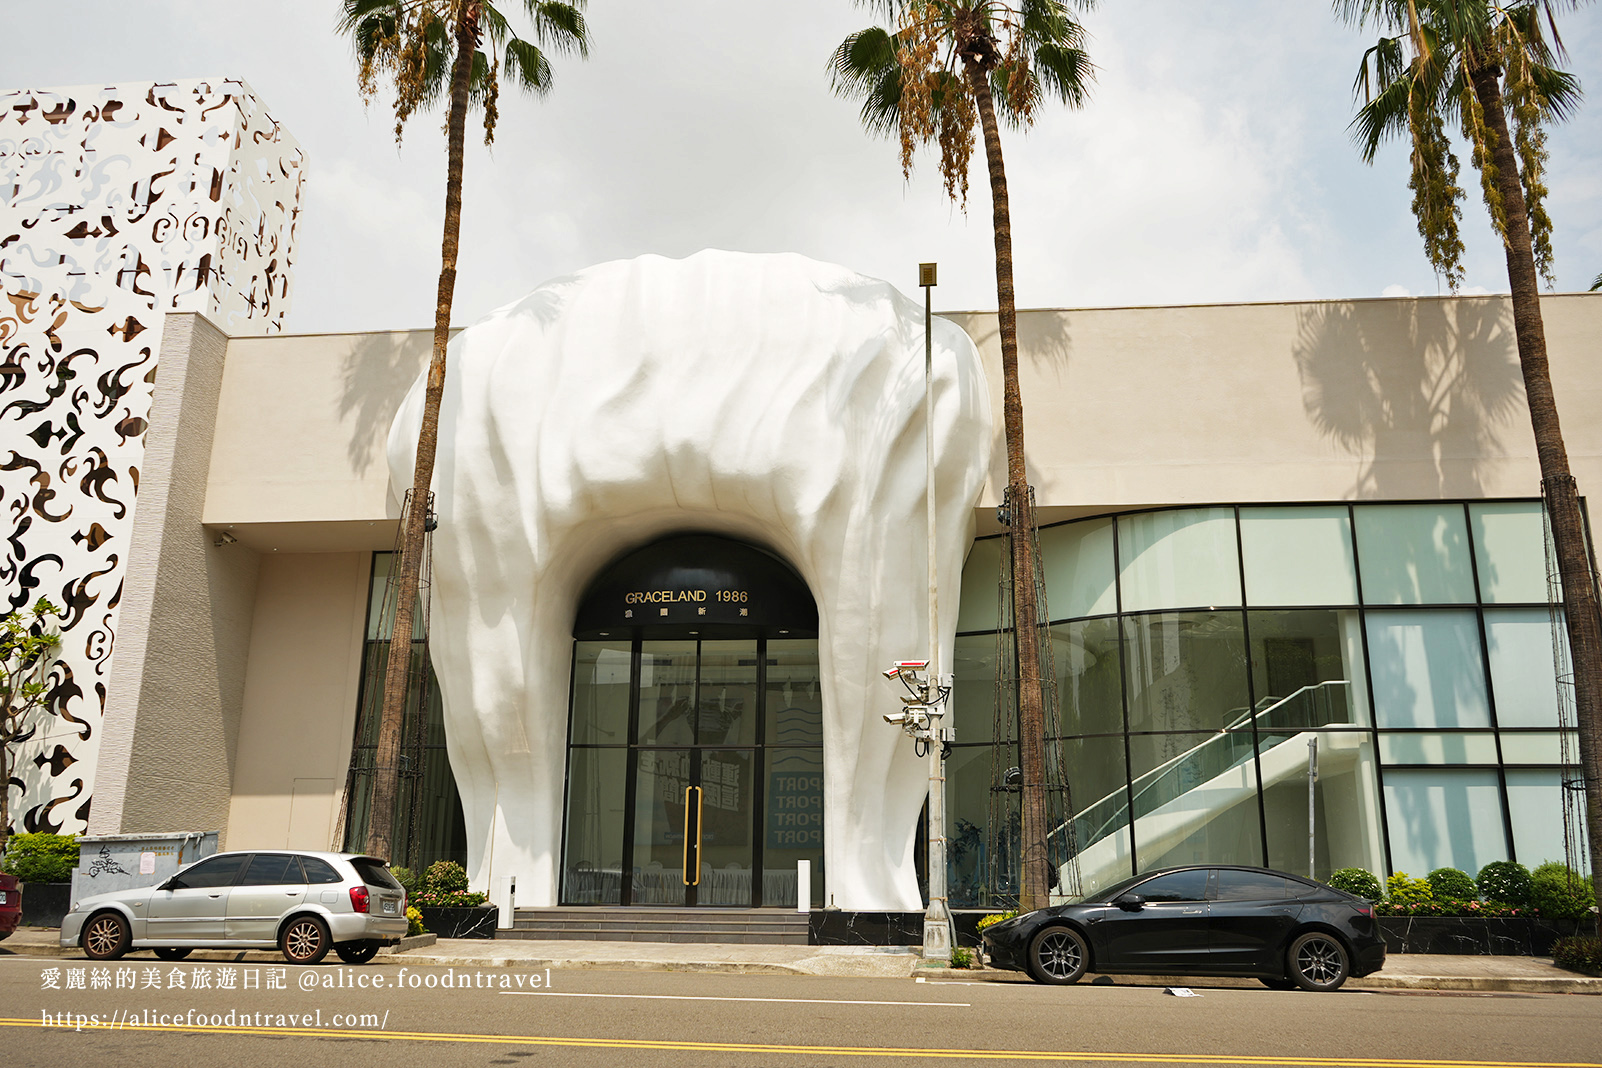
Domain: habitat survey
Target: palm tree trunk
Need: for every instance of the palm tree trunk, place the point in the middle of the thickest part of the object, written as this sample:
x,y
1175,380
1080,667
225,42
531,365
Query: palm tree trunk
x,y
1035,891
1580,607
397,673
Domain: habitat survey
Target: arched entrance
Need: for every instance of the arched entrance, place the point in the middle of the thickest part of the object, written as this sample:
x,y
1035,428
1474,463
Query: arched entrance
x,y
695,731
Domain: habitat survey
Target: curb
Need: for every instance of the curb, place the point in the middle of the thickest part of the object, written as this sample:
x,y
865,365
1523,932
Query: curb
x,y
1483,984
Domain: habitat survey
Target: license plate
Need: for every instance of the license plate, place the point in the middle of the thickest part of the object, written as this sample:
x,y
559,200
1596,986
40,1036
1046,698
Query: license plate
x,y
389,907
3,898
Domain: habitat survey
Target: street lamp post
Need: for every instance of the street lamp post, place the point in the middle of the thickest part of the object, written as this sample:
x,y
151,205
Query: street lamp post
x,y
926,689
937,918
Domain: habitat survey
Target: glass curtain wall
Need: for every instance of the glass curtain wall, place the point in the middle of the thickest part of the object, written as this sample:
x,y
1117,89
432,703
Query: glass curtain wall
x,y
1209,659
428,810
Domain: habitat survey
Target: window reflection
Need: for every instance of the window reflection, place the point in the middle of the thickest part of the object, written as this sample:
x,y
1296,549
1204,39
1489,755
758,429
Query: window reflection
x,y
1187,671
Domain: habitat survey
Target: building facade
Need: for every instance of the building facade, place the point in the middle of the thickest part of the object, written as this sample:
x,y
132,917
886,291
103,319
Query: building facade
x,y
681,513
120,206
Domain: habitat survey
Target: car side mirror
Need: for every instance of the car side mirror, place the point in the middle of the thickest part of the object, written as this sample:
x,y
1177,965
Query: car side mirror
x,y
1131,902
170,884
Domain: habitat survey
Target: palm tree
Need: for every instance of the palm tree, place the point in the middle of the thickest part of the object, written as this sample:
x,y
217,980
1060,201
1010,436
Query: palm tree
x,y
1477,62
426,49
942,64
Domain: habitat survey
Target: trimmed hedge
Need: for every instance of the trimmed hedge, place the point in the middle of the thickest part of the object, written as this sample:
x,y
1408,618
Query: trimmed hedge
x,y
1558,891
1357,881
1402,889
1452,884
1505,880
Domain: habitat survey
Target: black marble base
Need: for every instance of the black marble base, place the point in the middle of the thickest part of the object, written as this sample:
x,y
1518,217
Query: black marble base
x,y
1476,935
45,904
477,922
840,927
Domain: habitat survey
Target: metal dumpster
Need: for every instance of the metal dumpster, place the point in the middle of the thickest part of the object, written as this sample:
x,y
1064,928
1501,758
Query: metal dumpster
x,y
108,862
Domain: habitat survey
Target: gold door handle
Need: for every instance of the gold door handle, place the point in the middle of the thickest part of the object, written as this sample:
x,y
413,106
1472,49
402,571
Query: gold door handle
x,y
688,868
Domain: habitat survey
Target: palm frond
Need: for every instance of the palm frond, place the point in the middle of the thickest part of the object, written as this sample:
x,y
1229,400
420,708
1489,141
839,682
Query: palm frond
x,y
526,66
861,61
1385,115
864,68
493,25
560,27
1065,73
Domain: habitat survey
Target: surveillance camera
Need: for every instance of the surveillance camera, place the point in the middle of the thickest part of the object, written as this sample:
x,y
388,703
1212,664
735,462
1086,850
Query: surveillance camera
x,y
891,673
896,718
911,665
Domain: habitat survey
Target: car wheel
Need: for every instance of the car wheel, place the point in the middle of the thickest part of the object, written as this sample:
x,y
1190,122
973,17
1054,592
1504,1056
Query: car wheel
x,y
105,936
305,940
1277,984
1058,955
173,952
1318,961
357,952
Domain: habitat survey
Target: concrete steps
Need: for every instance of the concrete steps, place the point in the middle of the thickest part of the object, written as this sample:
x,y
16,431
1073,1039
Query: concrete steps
x,y
707,925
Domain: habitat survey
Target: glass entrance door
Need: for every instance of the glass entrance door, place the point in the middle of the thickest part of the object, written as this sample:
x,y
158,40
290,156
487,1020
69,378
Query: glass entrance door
x,y
694,815
692,827
695,773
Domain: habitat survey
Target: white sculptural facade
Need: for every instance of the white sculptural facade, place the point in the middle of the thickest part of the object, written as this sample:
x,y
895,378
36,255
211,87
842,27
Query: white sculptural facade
x,y
771,399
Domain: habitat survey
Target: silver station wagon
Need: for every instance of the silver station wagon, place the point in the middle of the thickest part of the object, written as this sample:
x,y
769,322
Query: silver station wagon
x,y
303,903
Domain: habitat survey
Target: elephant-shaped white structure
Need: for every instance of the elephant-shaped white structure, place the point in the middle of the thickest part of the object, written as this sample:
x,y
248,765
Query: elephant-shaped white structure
x,y
769,398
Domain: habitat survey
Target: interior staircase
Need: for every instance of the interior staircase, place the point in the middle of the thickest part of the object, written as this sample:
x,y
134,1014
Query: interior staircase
x,y
716,925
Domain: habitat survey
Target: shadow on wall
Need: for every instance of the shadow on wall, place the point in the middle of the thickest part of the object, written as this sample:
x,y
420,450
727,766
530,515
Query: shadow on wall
x,y
380,368
1045,343
1420,389
390,359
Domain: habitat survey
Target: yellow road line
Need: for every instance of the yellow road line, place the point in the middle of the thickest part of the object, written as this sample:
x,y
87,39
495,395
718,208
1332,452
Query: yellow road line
x,y
832,1051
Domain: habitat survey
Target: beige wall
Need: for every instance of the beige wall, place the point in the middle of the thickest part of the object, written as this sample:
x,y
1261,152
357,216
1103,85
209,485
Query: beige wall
x,y
1332,400
298,464
173,694
299,700
1124,408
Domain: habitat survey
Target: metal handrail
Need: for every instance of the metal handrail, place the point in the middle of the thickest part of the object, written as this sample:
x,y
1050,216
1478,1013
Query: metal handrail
x,y
1092,827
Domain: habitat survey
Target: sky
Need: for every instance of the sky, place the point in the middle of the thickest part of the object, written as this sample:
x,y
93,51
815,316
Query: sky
x,y
1212,163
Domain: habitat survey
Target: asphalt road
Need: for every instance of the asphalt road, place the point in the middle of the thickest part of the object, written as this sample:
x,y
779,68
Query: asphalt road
x,y
71,1013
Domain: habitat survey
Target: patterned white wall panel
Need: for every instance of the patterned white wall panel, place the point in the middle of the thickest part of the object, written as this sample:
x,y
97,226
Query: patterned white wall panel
x,y
117,205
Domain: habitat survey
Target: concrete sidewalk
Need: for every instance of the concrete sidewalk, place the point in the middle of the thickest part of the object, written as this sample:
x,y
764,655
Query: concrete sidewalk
x,y
1402,971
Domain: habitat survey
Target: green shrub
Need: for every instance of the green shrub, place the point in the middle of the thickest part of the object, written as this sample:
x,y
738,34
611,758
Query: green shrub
x,y
1504,880
445,877
1402,889
41,858
408,880
445,886
1357,881
414,923
1560,893
986,922
1453,885
1578,954
961,957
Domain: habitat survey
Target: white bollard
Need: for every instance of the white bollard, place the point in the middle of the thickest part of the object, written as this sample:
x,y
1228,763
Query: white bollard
x,y
803,886
505,900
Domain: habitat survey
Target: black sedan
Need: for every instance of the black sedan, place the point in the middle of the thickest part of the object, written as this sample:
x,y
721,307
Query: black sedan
x,y
1204,920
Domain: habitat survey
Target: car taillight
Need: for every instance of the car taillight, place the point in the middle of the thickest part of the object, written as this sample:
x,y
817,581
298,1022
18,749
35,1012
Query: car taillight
x,y
359,898
1366,910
